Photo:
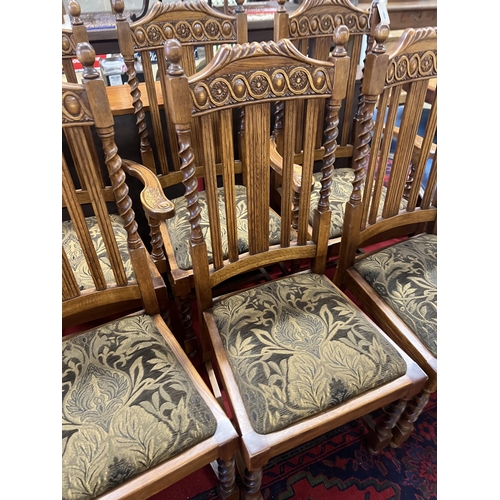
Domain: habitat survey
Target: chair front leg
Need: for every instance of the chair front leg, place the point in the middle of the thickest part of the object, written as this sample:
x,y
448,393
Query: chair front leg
x,y
404,427
252,481
381,434
226,471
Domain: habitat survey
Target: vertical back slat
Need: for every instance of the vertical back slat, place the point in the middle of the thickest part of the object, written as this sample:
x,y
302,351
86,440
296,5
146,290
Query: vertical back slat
x,y
154,111
257,122
371,193
81,229
70,287
91,176
227,158
188,60
430,194
209,52
385,148
415,99
307,168
303,46
320,49
210,166
347,118
425,153
87,133
288,163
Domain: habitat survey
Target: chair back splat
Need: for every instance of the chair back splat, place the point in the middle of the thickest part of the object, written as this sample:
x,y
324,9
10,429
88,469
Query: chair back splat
x,y
100,238
294,355
310,28
136,415
201,30
394,200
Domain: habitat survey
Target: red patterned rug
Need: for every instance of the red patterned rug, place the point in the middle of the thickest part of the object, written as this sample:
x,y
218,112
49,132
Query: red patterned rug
x,y
338,466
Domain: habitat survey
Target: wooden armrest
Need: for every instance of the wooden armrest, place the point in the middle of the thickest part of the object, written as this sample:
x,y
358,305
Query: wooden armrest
x,y
277,165
156,205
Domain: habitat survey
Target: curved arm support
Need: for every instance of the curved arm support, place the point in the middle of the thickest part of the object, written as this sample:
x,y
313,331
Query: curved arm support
x,y
277,165
156,205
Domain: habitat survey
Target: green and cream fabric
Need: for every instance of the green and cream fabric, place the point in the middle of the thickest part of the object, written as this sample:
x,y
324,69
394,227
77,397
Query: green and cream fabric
x,y
179,227
340,193
76,257
296,347
405,276
127,405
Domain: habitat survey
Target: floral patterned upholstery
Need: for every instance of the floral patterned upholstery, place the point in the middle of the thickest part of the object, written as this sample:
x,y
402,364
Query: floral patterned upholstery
x,y
127,405
296,348
77,259
405,276
341,190
179,227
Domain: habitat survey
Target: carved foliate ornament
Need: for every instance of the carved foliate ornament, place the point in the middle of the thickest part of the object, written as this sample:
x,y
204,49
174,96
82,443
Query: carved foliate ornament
x,y
75,106
411,67
256,85
68,43
325,24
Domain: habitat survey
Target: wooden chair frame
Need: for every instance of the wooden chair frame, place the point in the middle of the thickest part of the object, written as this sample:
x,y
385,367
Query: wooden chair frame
x,y
410,65
84,106
242,70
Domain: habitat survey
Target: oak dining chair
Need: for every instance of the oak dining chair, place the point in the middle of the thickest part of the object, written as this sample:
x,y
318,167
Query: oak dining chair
x,y
396,282
136,415
293,356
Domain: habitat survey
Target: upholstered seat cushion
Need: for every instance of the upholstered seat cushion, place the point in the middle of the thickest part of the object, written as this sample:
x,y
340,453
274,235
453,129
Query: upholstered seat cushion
x,y
127,405
179,227
341,189
77,259
405,276
296,347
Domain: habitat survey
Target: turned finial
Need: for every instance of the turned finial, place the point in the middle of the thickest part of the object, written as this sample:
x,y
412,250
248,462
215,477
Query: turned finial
x,y
381,33
173,51
86,55
340,39
74,12
281,7
118,7
239,6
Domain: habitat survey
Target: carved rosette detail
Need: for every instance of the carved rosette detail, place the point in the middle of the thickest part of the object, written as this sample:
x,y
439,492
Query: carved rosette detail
x,y
186,31
314,25
298,81
411,67
75,107
220,91
257,85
